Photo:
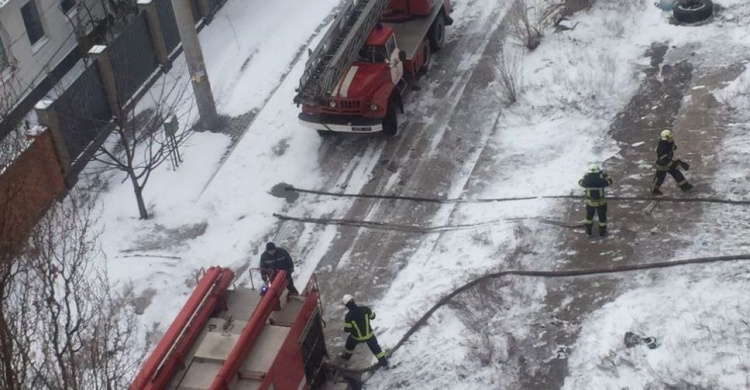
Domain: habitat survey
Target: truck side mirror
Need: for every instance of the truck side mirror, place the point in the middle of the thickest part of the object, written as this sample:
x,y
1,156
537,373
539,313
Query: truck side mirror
x,y
402,55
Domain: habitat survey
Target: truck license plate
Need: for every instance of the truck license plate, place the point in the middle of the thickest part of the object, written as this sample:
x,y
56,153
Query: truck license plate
x,y
361,129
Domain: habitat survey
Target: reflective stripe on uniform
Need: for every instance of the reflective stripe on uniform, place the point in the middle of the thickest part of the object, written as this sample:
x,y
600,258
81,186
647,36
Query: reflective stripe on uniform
x,y
359,336
380,355
595,202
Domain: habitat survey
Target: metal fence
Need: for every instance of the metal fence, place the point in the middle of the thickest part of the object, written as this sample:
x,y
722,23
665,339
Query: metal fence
x,y
168,24
133,58
82,111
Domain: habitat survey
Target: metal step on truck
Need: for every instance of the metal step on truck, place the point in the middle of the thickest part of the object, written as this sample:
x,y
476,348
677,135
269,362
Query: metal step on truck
x,y
239,338
355,78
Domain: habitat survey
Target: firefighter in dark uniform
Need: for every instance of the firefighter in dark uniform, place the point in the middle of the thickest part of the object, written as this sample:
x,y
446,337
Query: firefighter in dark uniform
x,y
275,259
665,163
357,324
594,183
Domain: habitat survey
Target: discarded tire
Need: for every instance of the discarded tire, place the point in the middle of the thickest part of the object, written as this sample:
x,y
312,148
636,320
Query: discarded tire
x,y
692,11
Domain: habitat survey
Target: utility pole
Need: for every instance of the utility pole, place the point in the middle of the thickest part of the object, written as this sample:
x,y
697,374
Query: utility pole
x,y
192,48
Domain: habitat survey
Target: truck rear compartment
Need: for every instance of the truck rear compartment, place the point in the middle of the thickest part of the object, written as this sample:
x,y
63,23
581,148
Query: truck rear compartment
x,y
220,335
411,33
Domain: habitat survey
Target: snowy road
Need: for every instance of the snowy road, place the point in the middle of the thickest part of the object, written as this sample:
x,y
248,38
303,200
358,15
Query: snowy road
x,y
582,102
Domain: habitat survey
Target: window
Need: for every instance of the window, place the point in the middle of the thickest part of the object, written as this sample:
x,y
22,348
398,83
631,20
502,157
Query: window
x,y
372,54
67,5
32,21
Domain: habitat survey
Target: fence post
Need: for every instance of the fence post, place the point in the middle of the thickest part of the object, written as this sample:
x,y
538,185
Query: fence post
x,y
156,34
47,117
103,62
205,9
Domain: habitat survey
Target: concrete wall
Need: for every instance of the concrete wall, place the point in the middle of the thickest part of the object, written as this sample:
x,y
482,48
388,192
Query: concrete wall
x,y
32,63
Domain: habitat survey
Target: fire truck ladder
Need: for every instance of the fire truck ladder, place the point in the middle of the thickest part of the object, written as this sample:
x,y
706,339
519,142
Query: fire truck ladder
x,y
338,48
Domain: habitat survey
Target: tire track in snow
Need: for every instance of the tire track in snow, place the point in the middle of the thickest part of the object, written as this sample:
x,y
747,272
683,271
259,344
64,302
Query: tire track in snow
x,y
360,154
366,261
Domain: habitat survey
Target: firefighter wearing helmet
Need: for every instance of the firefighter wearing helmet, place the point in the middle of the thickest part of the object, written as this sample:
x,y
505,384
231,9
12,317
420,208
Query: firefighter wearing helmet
x,y
357,324
665,163
594,182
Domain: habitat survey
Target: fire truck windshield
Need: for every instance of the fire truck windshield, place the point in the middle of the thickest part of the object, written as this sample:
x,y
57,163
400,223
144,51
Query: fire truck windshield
x,y
372,54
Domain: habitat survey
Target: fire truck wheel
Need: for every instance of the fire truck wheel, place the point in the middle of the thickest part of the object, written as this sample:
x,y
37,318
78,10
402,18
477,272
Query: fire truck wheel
x,y
390,122
692,11
427,55
436,34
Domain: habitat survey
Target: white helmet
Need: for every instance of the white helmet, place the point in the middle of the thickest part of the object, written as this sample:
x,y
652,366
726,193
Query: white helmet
x,y
347,298
593,168
666,134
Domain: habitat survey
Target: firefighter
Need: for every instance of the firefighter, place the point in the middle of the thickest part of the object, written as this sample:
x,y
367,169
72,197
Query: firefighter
x,y
357,324
594,182
275,259
665,163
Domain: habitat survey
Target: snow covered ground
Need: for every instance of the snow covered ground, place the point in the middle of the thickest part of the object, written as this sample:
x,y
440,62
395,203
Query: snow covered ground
x,y
207,213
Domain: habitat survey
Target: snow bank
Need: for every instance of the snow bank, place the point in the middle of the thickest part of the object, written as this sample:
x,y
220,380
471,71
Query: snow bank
x,y
703,337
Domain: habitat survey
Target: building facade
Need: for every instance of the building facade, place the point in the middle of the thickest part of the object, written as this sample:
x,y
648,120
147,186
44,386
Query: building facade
x,y
35,35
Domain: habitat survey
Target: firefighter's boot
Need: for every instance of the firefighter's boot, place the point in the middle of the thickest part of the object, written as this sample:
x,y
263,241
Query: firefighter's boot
x,y
602,230
656,192
589,229
686,186
383,362
345,355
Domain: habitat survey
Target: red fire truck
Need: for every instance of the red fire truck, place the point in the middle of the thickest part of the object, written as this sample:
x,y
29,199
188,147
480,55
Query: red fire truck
x,y
354,79
242,339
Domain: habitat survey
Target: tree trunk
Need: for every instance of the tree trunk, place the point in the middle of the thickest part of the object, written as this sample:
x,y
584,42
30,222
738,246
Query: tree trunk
x,y
8,371
138,195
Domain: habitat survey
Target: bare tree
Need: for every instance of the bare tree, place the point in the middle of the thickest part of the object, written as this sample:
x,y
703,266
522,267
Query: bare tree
x,y
523,26
529,17
10,93
69,328
142,142
509,74
12,90
109,16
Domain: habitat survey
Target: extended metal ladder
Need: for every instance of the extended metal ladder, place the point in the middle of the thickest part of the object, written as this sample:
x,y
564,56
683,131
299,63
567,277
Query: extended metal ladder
x,y
338,48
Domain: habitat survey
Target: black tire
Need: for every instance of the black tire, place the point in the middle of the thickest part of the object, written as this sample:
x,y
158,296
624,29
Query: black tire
x,y
390,122
427,58
436,35
692,11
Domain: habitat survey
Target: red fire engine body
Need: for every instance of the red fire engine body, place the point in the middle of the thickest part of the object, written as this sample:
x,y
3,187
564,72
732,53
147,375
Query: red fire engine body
x,y
354,79
238,339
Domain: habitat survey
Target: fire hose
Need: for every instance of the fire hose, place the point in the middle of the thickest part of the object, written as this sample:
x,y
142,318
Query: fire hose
x,y
510,199
539,274
526,273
